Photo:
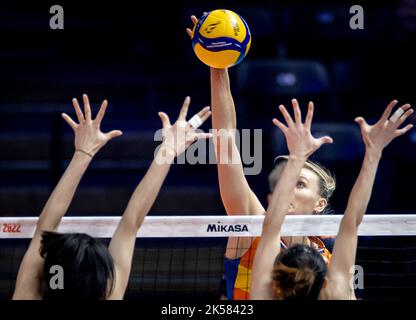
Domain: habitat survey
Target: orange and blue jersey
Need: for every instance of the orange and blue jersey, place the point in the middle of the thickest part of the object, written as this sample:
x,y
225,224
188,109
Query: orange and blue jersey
x,y
238,271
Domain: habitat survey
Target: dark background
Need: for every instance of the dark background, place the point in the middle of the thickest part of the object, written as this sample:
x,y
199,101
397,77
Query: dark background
x,y
139,57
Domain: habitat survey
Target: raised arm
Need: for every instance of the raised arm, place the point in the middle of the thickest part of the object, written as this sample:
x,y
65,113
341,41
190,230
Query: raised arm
x,y
376,137
88,140
176,138
301,145
236,194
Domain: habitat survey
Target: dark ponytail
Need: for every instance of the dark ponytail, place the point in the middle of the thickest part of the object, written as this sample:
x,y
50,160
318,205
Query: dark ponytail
x,y
298,273
88,267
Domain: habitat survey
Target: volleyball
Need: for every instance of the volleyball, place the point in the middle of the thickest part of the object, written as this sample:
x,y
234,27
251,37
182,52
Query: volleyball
x,y
221,39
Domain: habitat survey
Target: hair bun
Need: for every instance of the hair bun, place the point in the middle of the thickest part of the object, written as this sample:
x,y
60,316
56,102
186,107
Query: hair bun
x,y
292,282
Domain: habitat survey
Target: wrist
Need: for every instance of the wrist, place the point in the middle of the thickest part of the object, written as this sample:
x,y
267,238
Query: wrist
x,y
82,156
297,158
219,73
165,155
373,153
84,152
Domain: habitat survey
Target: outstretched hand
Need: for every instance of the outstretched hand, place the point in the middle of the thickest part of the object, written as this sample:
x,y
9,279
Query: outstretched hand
x,y
88,136
299,139
179,136
377,136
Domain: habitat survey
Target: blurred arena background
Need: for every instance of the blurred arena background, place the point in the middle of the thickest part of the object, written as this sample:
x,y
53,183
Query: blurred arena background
x,y
141,60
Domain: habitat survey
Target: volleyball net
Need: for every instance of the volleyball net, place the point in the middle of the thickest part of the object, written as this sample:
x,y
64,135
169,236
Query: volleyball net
x,y
183,256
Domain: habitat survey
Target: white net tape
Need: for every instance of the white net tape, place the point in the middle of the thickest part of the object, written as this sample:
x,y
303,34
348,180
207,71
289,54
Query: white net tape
x,y
215,226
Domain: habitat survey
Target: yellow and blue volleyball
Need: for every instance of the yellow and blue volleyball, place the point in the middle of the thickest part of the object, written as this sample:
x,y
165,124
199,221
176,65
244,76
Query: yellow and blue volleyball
x,y
221,39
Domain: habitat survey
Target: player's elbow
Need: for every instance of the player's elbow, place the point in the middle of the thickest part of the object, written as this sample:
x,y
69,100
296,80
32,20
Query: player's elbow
x,y
350,223
234,205
270,226
130,224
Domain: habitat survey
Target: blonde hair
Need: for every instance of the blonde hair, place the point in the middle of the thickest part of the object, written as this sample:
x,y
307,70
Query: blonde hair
x,y
327,182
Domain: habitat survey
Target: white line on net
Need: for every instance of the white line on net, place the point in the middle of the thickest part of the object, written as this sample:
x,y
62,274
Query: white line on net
x,y
215,226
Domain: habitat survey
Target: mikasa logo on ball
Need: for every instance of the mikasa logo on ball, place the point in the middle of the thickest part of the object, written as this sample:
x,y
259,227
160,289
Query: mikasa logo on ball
x,y
212,26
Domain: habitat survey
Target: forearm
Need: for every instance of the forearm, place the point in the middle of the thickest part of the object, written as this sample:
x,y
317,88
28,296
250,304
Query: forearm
x,y
361,191
146,192
223,109
345,247
234,189
283,193
223,120
261,284
61,197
